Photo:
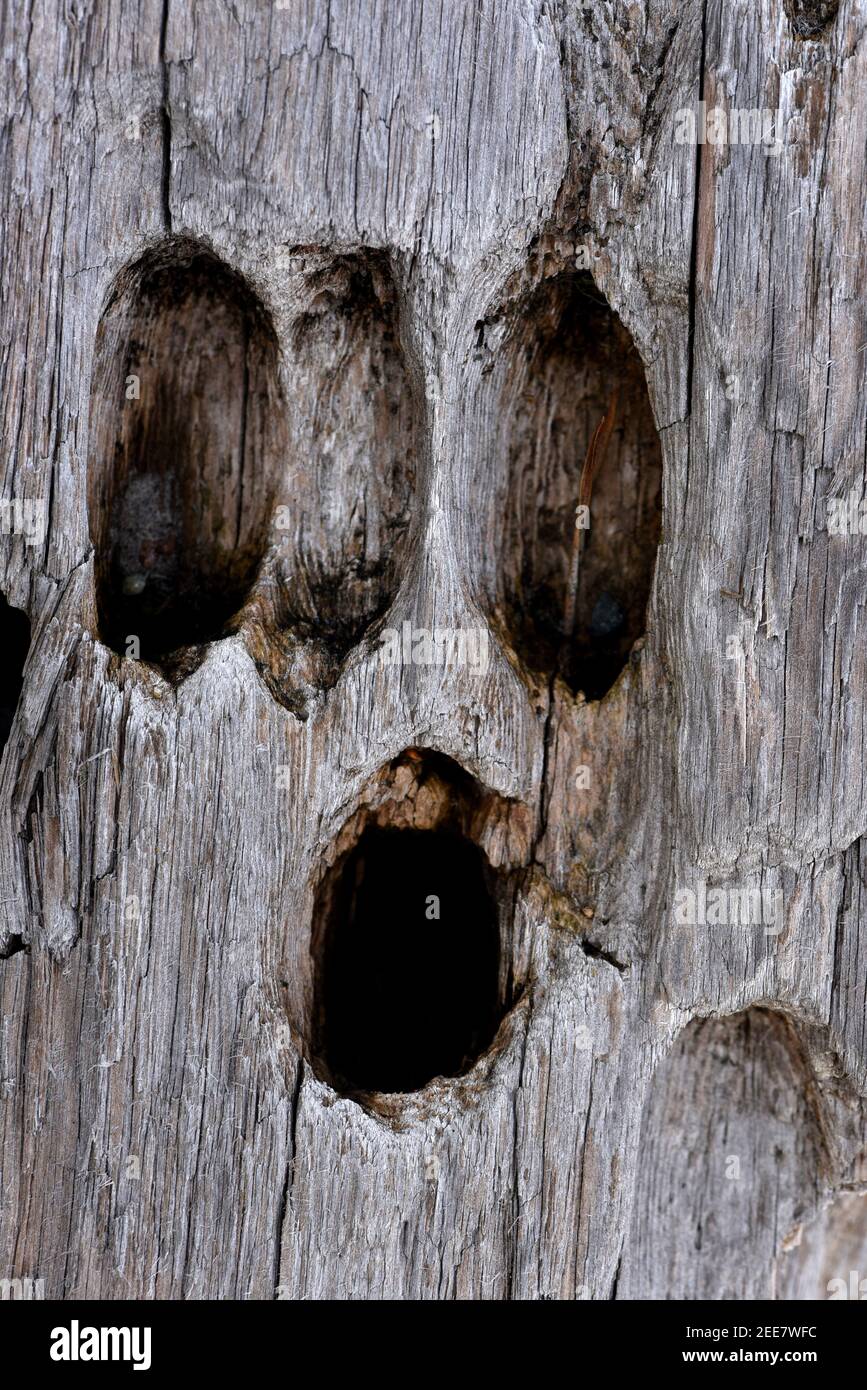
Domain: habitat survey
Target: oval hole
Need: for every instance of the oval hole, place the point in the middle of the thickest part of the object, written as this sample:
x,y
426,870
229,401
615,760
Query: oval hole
x,y
413,960
731,1158
410,971
345,520
574,598
186,434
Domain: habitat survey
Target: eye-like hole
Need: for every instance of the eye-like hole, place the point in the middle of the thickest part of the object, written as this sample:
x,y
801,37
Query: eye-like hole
x,y
411,948
353,441
15,637
581,496
186,432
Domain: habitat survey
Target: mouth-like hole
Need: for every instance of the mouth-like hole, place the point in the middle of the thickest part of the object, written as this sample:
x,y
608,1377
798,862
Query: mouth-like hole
x,y
411,949
15,629
411,966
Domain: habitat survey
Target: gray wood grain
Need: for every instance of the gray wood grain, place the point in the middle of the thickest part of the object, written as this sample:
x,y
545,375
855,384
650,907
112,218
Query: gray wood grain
x,y
163,1131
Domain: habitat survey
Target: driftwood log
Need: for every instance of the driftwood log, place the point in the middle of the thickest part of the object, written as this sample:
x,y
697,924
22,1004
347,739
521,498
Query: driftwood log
x,y
401,899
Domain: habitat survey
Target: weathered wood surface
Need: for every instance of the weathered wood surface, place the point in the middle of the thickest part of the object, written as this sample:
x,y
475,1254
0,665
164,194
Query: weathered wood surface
x,y
163,1131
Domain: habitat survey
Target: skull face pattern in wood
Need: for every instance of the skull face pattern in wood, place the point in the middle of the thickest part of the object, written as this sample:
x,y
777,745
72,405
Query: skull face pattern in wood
x,y
319,323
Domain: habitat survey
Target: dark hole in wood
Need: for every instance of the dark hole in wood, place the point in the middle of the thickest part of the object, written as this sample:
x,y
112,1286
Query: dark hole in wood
x,y
186,431
573,359
405,995
809,17
14,945
15,630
